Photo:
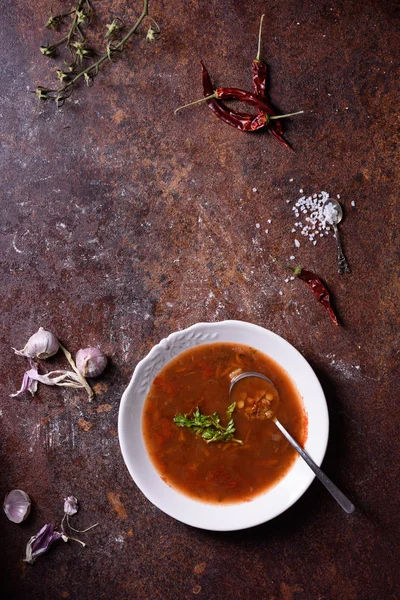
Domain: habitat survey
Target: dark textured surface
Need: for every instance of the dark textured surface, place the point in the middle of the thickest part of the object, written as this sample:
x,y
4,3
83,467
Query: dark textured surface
x,y
121,223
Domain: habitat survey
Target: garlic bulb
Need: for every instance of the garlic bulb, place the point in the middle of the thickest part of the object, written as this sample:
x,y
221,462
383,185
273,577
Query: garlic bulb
x,y
41,344
17,506
91,362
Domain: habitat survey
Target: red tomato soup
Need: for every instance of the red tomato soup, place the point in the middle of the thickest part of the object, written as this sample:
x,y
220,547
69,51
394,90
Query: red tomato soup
x,y
220,471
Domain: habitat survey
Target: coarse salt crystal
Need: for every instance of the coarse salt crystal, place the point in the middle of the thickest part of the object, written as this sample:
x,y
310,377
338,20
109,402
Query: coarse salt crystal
x,y
291,257
280,293
353,203
330,212
269,221
258,225
297,243
316,216
290,180
254,190
267,231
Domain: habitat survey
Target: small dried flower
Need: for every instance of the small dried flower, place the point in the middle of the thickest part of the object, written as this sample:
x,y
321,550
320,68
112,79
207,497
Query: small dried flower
x,y
62,75
80,16
41,542
81,51
109,50
113,28
42,93
52,22
70,505
153,32
47,50
88,79
150,37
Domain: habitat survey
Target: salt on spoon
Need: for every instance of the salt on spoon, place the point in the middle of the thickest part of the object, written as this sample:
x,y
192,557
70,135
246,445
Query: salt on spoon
x,y
265,408
333,214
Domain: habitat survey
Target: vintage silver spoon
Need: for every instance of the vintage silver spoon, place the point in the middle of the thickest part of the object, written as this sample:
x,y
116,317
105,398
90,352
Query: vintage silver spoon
x,y
333,214
344,502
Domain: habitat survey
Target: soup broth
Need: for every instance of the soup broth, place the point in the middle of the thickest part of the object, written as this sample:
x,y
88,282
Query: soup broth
x,y
220,471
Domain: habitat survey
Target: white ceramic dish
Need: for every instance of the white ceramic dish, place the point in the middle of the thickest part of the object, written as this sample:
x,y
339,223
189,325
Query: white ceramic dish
x,y
234,516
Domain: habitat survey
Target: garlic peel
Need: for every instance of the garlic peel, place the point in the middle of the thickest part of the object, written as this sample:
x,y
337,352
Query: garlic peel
x,y
71,361
17,506
41,542
70,505
59,377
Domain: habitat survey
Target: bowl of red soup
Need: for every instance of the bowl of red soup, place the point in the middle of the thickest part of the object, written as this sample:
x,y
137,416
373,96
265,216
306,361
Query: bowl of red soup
x,y
197,452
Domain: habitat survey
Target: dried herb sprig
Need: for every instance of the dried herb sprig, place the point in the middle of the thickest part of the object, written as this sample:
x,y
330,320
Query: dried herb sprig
x,y
79,51
82,14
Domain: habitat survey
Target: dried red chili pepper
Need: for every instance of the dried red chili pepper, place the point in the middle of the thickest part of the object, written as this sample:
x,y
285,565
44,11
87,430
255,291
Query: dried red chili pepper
x,y
242,96
318,289
259,74
242,121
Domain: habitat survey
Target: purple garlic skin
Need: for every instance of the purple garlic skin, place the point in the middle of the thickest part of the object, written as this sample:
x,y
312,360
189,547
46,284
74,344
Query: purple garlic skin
x,y
17,506
41,344
91,362
41,542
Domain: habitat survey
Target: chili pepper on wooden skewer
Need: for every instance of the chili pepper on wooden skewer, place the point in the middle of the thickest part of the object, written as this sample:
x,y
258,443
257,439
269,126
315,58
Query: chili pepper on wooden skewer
x,y
242,121
242,96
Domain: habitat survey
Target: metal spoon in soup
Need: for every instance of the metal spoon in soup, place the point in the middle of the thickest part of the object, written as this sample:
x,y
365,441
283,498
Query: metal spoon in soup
x,y
263,404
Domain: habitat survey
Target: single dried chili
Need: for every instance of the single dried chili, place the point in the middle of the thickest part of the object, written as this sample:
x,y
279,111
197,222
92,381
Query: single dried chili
x,y
259,69
317,288
259,74
242,121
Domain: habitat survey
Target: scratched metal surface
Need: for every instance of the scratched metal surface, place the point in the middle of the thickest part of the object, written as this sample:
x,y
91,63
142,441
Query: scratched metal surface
x,y
121,223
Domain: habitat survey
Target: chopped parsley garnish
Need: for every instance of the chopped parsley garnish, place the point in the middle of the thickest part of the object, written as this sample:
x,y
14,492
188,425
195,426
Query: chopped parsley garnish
x,y
209,426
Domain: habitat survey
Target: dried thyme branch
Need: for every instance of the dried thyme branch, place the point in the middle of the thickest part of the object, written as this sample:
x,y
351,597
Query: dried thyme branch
x,y
79,18
60,94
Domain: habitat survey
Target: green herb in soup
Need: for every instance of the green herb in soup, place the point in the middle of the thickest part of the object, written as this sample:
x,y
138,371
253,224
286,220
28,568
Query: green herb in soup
x,y
186,406
209,427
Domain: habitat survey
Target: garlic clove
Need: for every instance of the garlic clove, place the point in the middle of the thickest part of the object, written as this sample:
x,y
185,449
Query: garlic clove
x,y
17,506
91,362
41,344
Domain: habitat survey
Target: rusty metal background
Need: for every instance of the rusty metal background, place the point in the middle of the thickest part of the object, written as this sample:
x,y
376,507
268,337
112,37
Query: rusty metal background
x,y
121,223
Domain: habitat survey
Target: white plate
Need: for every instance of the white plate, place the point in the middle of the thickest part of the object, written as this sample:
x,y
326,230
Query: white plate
x,y
211,516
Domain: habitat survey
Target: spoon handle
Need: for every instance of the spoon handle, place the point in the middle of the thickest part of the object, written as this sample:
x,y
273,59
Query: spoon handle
x,y
343,265
340,498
